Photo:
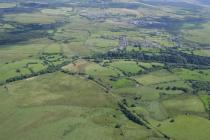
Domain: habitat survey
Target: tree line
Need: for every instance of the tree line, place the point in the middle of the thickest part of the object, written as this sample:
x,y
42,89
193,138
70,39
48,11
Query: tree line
x,y
169,56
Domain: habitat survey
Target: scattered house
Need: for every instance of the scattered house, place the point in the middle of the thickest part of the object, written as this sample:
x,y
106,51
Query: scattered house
x,y
122,42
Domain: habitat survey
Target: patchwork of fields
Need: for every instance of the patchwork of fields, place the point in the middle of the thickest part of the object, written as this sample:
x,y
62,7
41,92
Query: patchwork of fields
x,y
108,70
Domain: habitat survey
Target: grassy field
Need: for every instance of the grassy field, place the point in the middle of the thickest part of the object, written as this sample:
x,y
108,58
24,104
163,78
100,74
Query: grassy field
x,y
202,52
184,104
52,48
146,93
24,50
55,112
150,65
30,18
127,66
186,74
19,68
180,129
101,45
204,98
156,77
59,11
91,68
69,90
124,82
198,34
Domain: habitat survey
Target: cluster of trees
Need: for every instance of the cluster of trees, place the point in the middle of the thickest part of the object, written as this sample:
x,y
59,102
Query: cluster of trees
x,y
18,36
200,85
50,58
24,32
185,90
169,56
74,73
132,116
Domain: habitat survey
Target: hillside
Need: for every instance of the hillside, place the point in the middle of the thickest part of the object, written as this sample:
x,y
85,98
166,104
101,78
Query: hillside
x,y
104,69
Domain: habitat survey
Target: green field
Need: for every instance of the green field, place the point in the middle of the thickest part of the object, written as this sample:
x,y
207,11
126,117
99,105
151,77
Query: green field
x,y
127,66
104,70
191,104
187,74
156,77
199,35
184,125
61,113
124,82
20,68
31,18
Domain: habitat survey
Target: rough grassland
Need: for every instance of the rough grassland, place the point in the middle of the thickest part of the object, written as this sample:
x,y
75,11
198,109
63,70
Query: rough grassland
x,y
187,128
58,106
